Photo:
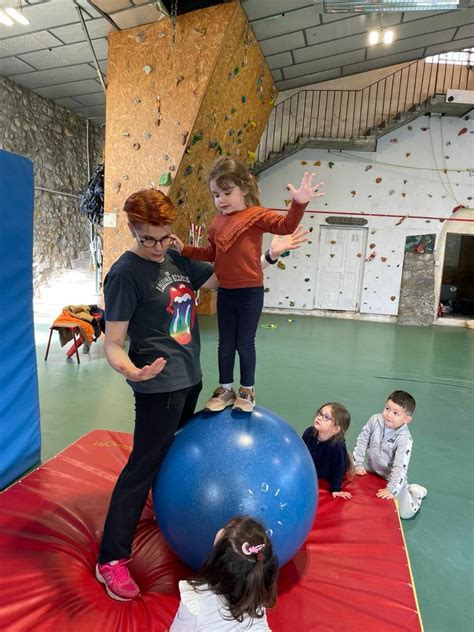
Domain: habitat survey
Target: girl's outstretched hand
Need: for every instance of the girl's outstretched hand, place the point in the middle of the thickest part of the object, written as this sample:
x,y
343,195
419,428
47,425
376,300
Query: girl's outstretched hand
x,y
307,190
282,243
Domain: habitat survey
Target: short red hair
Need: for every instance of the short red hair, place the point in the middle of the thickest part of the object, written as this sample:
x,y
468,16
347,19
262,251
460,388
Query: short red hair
x,y
150,207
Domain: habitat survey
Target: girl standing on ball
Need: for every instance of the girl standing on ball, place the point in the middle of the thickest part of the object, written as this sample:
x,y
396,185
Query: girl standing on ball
x,y
150,296
235,245
235,585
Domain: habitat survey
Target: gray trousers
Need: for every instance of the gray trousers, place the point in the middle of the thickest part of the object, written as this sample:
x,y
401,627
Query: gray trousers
x,y
408,504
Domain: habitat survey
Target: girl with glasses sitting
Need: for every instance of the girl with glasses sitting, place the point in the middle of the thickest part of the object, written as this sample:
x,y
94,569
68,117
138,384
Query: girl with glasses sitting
x,y
326,444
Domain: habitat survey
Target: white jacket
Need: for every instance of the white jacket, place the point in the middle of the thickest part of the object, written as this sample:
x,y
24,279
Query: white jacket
x,y
202,611
387,451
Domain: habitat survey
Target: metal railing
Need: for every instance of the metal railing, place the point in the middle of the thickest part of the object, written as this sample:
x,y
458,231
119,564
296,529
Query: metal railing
x,y
355,114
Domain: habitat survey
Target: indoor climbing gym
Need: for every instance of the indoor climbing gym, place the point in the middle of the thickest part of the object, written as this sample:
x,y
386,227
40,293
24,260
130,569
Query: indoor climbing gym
x,y
237,315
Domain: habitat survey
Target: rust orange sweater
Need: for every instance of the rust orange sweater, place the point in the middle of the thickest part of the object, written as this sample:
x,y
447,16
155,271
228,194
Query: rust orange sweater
x,y
235,243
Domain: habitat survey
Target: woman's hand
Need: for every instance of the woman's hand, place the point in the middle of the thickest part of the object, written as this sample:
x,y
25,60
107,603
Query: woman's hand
x,y
307,190
148,372
361,471
283,243
345,495
177,242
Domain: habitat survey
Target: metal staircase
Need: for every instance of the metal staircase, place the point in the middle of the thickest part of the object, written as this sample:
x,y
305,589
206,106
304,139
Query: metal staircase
x,y
355,119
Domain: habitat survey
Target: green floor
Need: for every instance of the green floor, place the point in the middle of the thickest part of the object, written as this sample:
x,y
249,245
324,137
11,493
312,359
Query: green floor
x,y
301,365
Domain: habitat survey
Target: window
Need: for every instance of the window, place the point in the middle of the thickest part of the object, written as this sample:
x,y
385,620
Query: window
x,y
458,58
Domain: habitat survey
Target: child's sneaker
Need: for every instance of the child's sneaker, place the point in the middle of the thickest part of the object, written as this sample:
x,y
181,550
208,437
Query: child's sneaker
x,y
221,398
117,580
245,401
417,490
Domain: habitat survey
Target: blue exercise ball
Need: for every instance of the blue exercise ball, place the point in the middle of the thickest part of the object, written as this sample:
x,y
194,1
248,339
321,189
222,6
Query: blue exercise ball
x,y
230,463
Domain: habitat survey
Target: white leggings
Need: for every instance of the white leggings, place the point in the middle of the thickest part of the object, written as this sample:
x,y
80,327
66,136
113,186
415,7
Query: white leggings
x,y
408,504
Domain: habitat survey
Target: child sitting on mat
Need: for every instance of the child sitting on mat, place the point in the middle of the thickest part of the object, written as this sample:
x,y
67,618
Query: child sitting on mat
x,y
326,444
235,585
385,444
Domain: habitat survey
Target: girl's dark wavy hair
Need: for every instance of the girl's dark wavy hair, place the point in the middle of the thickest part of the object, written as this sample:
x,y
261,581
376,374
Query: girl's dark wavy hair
x,y
227,172
246,582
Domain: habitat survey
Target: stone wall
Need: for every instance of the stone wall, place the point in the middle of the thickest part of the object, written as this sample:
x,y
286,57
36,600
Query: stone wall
x,y
55,139
417,291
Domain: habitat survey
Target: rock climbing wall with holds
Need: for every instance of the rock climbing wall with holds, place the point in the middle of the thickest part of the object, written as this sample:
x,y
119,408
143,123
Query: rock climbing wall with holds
x,y
179,98
420,176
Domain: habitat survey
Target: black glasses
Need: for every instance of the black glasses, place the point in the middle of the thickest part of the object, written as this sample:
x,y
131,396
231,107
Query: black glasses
x,y
150,242
323,415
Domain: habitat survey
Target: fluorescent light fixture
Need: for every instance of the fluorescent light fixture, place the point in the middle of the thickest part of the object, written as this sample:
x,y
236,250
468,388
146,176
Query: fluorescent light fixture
x,y
4,19
388,37
16,15
373,38
387,6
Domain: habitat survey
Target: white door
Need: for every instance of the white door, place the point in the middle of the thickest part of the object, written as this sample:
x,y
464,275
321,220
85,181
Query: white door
x,y
340,266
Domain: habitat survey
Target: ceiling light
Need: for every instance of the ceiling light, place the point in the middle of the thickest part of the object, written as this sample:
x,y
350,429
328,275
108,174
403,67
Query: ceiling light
x,y
4,19
373,38
386,6
387,37
16,15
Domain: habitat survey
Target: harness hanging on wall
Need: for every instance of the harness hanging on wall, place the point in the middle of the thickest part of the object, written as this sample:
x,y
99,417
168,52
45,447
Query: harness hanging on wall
x,y
92,201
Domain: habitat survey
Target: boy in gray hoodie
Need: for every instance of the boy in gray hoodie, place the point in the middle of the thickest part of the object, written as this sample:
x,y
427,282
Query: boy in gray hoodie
x,y
384,446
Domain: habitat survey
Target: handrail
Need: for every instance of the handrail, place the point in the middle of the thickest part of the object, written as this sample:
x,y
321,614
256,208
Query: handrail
x,y
356,114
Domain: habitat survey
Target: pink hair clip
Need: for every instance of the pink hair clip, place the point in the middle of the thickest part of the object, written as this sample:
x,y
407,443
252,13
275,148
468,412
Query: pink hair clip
x,y
247,549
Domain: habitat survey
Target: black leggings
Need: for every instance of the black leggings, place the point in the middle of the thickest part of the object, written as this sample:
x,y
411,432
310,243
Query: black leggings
x,y
157,417
238,313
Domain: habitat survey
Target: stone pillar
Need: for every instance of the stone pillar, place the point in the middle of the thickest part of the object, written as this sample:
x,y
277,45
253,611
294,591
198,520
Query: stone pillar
x,y
417,290
176,101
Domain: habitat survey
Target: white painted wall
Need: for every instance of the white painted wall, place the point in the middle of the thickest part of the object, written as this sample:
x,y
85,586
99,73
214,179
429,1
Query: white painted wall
x,y
420,169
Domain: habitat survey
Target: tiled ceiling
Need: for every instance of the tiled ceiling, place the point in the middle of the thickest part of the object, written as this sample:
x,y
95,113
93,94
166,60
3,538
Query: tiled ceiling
x,y
302,44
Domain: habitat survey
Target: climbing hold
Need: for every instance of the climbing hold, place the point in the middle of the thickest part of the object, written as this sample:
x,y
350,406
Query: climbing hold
x,y
196,138
147,69
116,186
281,265
378,180
139,37
136,146
165,180
330,165
125,133
184,137
244,99
137,100
188,171
368,168
146,135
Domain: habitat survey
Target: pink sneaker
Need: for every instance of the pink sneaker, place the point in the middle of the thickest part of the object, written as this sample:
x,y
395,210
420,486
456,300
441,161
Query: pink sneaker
x,y
117,580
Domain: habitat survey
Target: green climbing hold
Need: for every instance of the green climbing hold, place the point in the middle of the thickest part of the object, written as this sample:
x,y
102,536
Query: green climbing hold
x,y
165,180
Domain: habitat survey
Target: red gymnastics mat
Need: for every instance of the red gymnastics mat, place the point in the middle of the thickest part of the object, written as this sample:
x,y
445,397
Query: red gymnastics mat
x,y
352,574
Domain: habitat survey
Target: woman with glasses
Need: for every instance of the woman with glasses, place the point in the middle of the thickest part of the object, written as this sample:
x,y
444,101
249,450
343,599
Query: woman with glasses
x,y
150,297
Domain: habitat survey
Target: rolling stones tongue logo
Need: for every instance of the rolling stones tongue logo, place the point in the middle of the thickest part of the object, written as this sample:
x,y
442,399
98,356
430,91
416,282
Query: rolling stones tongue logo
x,y
182,307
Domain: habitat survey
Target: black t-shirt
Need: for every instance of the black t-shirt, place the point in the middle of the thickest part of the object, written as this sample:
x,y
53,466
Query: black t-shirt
x,y
329,457
158,300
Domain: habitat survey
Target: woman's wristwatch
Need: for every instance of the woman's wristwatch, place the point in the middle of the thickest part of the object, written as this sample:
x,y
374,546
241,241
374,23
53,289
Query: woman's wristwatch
x,y
269,259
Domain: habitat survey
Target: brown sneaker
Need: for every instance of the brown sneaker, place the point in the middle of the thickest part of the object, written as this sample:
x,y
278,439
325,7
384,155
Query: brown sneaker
x,y
221,398
245,401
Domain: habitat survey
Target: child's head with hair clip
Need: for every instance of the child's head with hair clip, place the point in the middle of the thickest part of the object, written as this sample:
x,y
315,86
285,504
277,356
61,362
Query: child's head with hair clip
x,y
241,568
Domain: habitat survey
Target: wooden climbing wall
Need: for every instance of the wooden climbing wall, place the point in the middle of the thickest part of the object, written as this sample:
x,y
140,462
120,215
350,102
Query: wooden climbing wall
x,y
176,101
